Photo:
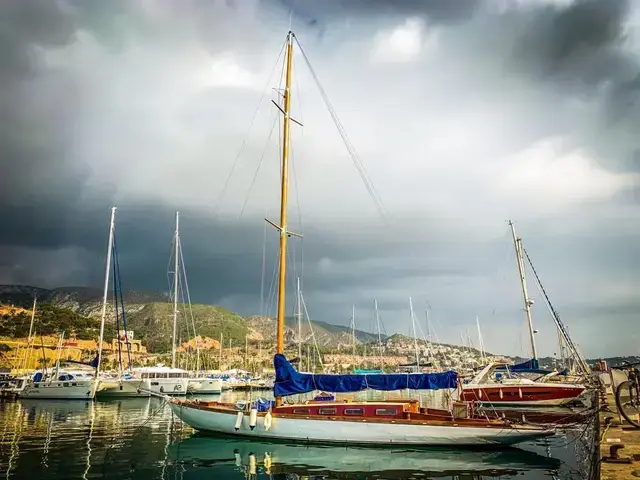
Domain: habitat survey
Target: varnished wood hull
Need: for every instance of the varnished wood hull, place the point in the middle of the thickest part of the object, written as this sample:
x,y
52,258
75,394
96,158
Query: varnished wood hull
x,y
222,420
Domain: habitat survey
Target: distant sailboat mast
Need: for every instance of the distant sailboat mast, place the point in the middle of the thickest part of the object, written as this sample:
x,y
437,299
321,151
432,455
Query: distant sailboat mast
x,y
106,288
27,352
480,343
415,338
176,279
377,315
353,329
299,304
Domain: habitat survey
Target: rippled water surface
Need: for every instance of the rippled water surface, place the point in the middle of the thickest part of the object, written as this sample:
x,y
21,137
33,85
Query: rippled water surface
x,y
140,439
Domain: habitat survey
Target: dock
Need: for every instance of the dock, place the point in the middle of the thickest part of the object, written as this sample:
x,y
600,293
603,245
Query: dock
x,y
619,453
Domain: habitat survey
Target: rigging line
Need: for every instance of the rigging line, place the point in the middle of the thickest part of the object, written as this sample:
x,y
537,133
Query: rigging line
x,y
347,142
255,174
556,317
185,286
115,299
313,336
299,211
244,141
272,289
119,290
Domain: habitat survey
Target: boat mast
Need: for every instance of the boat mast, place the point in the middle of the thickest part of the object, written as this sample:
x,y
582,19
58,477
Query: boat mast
x,y
176,277
480,343
517,243
284,184
27,353
220,361
353,330
415,339
299,327
103,315
375,308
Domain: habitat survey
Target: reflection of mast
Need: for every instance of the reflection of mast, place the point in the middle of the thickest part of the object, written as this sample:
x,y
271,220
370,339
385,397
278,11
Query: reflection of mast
x,y
47,441
15,441
92,418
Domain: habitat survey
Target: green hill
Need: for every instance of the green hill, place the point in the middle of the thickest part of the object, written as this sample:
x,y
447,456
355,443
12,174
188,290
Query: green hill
x,y
52,320
153,324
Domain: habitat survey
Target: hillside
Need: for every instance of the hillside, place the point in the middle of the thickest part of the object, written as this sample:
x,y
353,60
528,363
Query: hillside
x,y
150,317
325,334
49,320
153,324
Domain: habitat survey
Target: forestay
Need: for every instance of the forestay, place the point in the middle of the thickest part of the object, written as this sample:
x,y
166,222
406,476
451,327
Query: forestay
x,y
290,382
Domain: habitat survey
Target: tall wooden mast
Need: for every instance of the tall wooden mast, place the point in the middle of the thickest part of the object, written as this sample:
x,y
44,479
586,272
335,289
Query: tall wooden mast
x,y
284,190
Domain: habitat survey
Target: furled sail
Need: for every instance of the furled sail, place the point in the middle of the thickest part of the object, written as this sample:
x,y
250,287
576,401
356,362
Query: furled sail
x,y
290,382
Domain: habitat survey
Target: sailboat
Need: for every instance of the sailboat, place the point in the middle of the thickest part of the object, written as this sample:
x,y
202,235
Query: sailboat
x,y
165,380
60,383
124,383
333,421
496,385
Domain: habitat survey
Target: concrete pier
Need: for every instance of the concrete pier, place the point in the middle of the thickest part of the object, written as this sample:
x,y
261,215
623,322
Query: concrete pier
x,y
619,441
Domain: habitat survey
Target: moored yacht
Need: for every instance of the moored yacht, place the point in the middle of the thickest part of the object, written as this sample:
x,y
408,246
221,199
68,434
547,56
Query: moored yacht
x,y
204,385
164,380
122,385
61,384
495,385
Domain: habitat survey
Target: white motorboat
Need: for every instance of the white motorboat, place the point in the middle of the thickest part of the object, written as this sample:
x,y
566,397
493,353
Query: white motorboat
x,y
164,380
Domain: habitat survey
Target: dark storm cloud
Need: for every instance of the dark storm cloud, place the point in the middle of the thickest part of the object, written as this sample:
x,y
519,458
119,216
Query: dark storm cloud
x,y
57,219
440,11
39,106
581,44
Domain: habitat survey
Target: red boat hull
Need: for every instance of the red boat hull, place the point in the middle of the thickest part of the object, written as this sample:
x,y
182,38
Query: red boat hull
x,y
541,394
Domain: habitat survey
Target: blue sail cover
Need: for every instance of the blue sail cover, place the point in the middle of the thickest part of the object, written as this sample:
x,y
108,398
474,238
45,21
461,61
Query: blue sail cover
x,y
290,382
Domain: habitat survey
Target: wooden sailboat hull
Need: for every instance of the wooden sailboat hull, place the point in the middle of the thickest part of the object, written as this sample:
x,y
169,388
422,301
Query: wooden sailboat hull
x,y
537,394
356,431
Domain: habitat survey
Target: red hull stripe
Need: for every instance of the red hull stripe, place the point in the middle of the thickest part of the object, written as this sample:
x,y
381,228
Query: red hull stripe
x,y
511,394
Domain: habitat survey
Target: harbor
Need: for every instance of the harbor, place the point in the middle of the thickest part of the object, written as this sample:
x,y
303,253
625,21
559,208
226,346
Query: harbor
x,y
336,240
140,438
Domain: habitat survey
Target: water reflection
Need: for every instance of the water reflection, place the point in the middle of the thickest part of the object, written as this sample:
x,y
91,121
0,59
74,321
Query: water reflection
x,y
140,439
203,452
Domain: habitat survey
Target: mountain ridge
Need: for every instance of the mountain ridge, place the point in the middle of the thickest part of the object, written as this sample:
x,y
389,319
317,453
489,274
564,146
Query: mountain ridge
x,y
149,316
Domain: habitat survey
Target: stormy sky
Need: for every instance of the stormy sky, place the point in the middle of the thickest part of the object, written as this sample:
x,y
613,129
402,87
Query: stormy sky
x,y
464,113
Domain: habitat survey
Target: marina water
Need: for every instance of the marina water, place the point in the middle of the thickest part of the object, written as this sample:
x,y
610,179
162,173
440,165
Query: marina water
x,y
139,438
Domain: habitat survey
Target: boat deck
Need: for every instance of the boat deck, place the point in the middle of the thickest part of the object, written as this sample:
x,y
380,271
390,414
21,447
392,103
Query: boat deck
x,y
401,412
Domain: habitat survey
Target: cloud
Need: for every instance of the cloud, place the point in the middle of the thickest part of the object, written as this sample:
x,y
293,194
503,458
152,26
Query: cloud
x,y
464,114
